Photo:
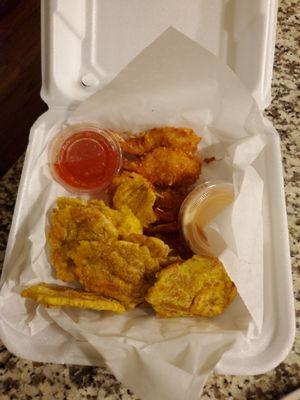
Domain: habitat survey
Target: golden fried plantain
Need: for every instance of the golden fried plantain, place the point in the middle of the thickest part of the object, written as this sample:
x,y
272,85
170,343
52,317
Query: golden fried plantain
x,y
65,202
70,224
136,192
104,249
158,249
81,223
62,296
166,167
77,220
124,220
180,138
118,270
199,286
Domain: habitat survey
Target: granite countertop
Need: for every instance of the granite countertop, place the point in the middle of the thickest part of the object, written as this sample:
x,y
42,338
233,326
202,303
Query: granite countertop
x,y
21,379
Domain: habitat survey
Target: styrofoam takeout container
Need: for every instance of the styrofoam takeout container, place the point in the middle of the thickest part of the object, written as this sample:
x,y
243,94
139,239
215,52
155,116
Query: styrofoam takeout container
x,y
86,43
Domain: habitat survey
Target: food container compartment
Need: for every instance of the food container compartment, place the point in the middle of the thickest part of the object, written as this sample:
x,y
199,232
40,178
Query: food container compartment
x,y
80,56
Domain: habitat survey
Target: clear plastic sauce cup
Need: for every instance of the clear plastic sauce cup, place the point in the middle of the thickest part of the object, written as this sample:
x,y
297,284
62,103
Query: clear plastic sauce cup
x,y
199,208
85,158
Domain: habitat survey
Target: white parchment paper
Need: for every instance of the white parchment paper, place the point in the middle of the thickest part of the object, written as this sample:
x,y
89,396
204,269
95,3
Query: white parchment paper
x,y
172,82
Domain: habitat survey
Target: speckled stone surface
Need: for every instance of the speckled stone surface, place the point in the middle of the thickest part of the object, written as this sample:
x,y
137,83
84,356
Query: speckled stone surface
x,y
24,380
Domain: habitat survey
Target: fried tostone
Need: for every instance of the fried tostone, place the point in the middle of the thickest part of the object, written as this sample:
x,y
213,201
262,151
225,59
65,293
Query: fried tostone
x,y
124,219
199,286
75,220
61,296
120,270
137,193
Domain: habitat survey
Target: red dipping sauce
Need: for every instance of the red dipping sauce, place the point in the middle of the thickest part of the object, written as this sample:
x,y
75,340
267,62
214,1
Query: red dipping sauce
x,y
85,158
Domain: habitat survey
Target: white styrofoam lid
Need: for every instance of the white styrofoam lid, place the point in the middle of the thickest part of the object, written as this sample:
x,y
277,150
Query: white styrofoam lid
x,y
86,43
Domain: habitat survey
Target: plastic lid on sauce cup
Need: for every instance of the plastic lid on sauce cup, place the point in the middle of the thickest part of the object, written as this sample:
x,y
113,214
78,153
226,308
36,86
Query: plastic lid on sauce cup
x,y
199,208
85,158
